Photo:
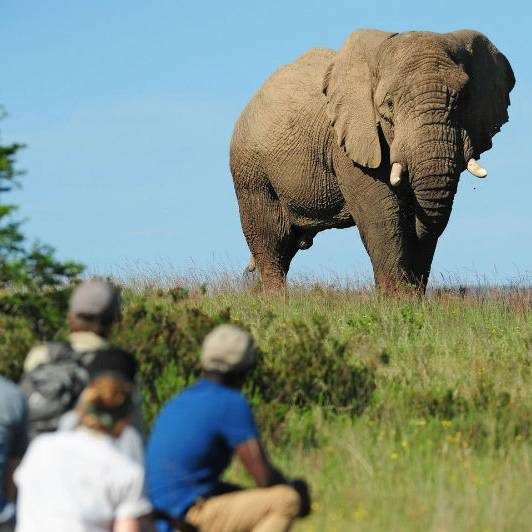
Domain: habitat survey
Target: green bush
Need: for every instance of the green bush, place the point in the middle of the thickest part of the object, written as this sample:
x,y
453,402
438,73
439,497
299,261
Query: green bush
x,y
16,338
165,332
301,365
325,360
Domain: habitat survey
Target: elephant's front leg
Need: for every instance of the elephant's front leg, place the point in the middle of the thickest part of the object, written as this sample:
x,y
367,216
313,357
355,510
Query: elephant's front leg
x,y
269,234
423,254
380,216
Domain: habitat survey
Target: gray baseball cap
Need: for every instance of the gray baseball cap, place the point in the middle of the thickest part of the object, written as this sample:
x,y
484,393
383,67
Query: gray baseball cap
x,y
96,299
228,349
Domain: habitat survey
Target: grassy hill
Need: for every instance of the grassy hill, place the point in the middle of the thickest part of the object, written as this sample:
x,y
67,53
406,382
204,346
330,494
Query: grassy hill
x,y
404,413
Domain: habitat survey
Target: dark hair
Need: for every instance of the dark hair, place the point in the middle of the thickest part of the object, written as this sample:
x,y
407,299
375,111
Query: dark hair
x,y
113,360
233,379
104,320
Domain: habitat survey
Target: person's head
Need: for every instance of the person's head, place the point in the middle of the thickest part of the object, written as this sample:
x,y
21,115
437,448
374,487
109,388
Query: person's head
x,y
113,360
94,307
105,405
228,354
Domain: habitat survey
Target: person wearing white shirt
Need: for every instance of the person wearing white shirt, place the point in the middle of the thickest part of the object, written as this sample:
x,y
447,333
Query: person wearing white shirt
x,y
79,480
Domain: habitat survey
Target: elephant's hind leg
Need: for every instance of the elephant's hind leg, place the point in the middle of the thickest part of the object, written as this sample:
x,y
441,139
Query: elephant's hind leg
x,y
268,232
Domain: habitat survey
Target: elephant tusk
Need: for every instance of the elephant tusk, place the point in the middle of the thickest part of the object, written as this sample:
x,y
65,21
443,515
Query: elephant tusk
x,y
395,174
474,168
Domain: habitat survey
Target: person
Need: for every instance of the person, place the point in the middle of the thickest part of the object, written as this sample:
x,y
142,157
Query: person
x,y
13,442
55,373
113,361
78,479
93,309
194,439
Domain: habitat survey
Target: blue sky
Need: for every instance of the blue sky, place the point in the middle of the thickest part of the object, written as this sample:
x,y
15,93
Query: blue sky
x,y
127,108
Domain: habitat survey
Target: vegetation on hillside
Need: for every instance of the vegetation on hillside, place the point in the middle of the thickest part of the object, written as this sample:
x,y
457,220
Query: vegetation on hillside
x,y
405,414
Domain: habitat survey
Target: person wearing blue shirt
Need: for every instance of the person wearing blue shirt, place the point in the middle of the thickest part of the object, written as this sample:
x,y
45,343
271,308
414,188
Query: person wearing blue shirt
x,y
13,443
194,439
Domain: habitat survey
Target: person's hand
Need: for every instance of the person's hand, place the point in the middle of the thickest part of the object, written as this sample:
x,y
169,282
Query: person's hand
x,y
302,489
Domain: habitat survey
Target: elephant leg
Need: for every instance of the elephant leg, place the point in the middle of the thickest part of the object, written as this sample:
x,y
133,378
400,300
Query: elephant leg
x,y
388,252
268,232
422,259
380,217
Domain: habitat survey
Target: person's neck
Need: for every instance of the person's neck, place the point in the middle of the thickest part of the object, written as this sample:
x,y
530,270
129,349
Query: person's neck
x,y
231,381
96,432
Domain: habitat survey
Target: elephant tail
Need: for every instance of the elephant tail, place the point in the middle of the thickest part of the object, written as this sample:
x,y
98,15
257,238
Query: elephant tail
x,y
251,265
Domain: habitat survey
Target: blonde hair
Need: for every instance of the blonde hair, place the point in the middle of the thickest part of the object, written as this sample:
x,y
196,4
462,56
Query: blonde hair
x,y
105,404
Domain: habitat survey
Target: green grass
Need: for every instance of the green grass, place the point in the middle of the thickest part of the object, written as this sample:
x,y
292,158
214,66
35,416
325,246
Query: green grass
x,y
403,413
444,443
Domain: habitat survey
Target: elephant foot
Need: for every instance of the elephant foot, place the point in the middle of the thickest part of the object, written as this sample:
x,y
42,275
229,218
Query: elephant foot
x,y
393,285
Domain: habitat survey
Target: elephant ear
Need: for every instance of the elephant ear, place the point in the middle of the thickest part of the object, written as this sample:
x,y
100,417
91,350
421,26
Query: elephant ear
x,y
347,85
488,91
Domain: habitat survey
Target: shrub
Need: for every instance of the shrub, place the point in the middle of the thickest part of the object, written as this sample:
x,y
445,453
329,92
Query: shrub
x,y
165,332
300,364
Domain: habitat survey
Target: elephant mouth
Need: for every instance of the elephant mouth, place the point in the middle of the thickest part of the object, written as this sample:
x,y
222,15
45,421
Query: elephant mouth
x,y
451,163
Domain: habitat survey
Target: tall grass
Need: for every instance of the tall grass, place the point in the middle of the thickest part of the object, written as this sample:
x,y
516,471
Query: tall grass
x,y
404,413
444,443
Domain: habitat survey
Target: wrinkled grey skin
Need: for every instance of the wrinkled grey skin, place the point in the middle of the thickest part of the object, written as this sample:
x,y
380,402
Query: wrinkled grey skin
x,y
314,147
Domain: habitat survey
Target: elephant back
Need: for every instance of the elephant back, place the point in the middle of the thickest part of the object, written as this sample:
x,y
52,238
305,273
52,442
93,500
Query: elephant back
x,y
287,101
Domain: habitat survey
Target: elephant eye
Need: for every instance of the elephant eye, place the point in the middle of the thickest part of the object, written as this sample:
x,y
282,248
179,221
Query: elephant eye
x,y
385,108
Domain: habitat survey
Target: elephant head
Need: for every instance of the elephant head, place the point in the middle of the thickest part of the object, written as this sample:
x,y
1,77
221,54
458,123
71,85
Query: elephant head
x,y
433,102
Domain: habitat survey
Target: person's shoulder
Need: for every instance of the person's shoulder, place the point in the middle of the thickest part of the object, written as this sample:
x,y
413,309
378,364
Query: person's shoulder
x,y
11,394
43,354
229,400
102,447
45,441
37,355
188,395
203,392
234,396
131,444
10,388
123,465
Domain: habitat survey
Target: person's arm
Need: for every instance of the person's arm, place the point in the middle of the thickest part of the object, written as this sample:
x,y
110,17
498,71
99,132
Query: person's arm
x,y
10,490
252,455
126,525
20,444
254,459
133,514
129,524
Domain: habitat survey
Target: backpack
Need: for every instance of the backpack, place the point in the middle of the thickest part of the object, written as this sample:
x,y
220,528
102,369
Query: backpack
x,y
53,387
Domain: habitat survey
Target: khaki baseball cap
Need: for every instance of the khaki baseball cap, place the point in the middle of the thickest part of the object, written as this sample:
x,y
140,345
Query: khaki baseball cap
x,y
228,349
97,299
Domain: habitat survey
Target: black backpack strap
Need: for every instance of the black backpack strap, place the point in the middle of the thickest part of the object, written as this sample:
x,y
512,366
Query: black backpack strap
x,y
179,525
57,350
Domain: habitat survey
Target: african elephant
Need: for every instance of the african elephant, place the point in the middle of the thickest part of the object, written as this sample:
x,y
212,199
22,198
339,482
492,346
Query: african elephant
x,y
374,135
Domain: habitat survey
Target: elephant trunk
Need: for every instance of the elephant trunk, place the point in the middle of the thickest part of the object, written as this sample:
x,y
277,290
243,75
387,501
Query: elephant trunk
x,y
434,181
434,165
433,200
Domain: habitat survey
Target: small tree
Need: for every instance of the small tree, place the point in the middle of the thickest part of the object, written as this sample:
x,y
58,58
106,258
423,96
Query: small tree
x,y
34,284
